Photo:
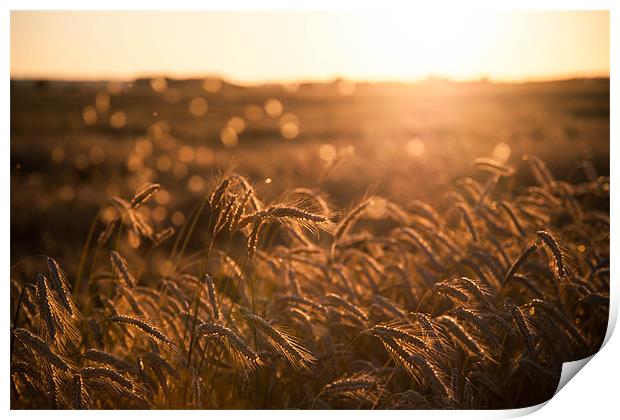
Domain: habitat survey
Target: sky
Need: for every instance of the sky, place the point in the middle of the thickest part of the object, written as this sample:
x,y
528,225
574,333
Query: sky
x,y
253,47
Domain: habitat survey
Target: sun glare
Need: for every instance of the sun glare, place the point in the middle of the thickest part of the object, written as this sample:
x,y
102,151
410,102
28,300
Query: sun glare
x,y
395,45
429,42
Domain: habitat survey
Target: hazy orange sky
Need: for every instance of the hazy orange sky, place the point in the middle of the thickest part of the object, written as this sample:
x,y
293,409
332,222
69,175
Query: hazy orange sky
x,y
287,46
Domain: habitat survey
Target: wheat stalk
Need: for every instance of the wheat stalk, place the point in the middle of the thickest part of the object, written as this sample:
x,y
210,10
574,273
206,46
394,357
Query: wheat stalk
x,y
143,326
282,341
238,349
41,348
120,267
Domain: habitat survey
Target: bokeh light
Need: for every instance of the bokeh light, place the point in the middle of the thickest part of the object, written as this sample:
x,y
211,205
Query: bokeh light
x,y
159,84
159,214
118,119
186,153
198,107
81,162
501,152
89,115
327,152
102,102
212,85
289,118
237,124
164,163
196,183
144,147
34,179
58,154
162,197
147,174
107,214
273,108
178,218
289,130
204,156
165,267
415,147
377,208
229,137
134,162
159,130
66,193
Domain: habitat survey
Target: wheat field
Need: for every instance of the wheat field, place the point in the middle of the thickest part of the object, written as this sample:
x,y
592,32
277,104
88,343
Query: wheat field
x,y
473,300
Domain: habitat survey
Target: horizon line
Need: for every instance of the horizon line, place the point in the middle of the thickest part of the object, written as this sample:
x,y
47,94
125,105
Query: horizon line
x,y
318,80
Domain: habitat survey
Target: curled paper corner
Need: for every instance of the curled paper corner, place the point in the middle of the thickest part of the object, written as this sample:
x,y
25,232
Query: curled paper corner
x,y
613,316
570,369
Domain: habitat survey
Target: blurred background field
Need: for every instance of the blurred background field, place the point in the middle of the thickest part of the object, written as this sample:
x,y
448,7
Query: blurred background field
x,y
74,145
